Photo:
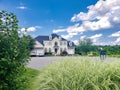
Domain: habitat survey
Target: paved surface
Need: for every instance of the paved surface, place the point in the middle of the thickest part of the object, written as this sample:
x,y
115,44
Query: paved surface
x,y
41,62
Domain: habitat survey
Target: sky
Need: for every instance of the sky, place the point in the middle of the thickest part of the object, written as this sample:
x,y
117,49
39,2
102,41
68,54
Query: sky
x,y
98,20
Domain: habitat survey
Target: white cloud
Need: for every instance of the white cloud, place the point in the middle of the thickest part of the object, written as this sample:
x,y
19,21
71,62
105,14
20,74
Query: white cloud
x,y
102,15
30,29
116,34
59,30
95,37
117,41
82,37
22,7
76,42
38,27
75,29
71,30
67,36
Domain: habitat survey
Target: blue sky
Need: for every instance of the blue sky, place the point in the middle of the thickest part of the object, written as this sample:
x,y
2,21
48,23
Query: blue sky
x,y
98,20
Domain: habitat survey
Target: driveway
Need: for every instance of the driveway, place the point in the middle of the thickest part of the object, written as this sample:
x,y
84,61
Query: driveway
x,y
41,62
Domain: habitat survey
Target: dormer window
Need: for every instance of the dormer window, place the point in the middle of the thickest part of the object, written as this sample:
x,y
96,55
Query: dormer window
x,y
50,37
70,43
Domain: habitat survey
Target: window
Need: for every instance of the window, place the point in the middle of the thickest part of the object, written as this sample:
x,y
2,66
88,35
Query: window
x,y
49,49
60,49
56,44
64,43
60,43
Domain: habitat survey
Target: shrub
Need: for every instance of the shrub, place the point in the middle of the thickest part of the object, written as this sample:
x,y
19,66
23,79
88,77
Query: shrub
x,y
48,53
14,52
80,75
64,53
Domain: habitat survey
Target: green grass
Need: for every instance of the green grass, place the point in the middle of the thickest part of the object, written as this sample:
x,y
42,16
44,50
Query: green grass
x,y
28,78
79,75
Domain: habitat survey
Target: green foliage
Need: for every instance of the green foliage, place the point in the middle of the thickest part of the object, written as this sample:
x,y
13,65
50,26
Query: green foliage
x,y
31,42
48,53
28,78
14,52
84,46
80,75
64,53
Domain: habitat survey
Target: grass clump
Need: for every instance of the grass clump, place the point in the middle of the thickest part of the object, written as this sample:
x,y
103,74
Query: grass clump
x,y
80,75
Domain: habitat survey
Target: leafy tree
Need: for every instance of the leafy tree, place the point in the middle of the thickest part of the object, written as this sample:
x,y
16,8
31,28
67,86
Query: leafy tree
x,y
14,52
84,46
31,42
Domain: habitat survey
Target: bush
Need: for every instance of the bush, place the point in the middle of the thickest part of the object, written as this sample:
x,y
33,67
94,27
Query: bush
x,y
91,54
14,52
64,53
48,53
80,75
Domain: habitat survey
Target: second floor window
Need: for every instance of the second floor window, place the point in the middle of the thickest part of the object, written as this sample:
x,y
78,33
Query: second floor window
x,y
56,44
49,49
60,43
64,43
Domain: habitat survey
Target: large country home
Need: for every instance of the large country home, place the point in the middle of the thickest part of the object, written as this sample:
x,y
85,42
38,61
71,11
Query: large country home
x,y
54,44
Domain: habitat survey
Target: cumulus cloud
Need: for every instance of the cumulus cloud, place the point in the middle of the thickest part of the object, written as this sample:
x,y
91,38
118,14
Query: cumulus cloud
x,y
116,34
30,29
76,42
67,36
95,37
104,14
71,30
117,41
59,30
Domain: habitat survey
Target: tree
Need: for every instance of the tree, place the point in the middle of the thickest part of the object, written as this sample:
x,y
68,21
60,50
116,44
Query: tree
x,y
31,42
84,46
14,52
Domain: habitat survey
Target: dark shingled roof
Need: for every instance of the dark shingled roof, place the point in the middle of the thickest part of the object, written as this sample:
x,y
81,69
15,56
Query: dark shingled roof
x,y
42,38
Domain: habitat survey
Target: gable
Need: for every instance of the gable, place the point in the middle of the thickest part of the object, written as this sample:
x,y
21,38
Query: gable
x,y
38,45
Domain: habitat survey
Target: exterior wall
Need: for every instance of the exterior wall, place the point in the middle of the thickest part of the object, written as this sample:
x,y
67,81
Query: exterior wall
x,y
38,49
37,52
71,51
62,45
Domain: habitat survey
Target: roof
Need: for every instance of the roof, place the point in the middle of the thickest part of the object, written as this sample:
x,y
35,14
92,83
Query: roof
x,y
43,38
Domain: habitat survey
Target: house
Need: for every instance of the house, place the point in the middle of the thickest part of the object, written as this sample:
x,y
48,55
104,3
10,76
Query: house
x,y
54,44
